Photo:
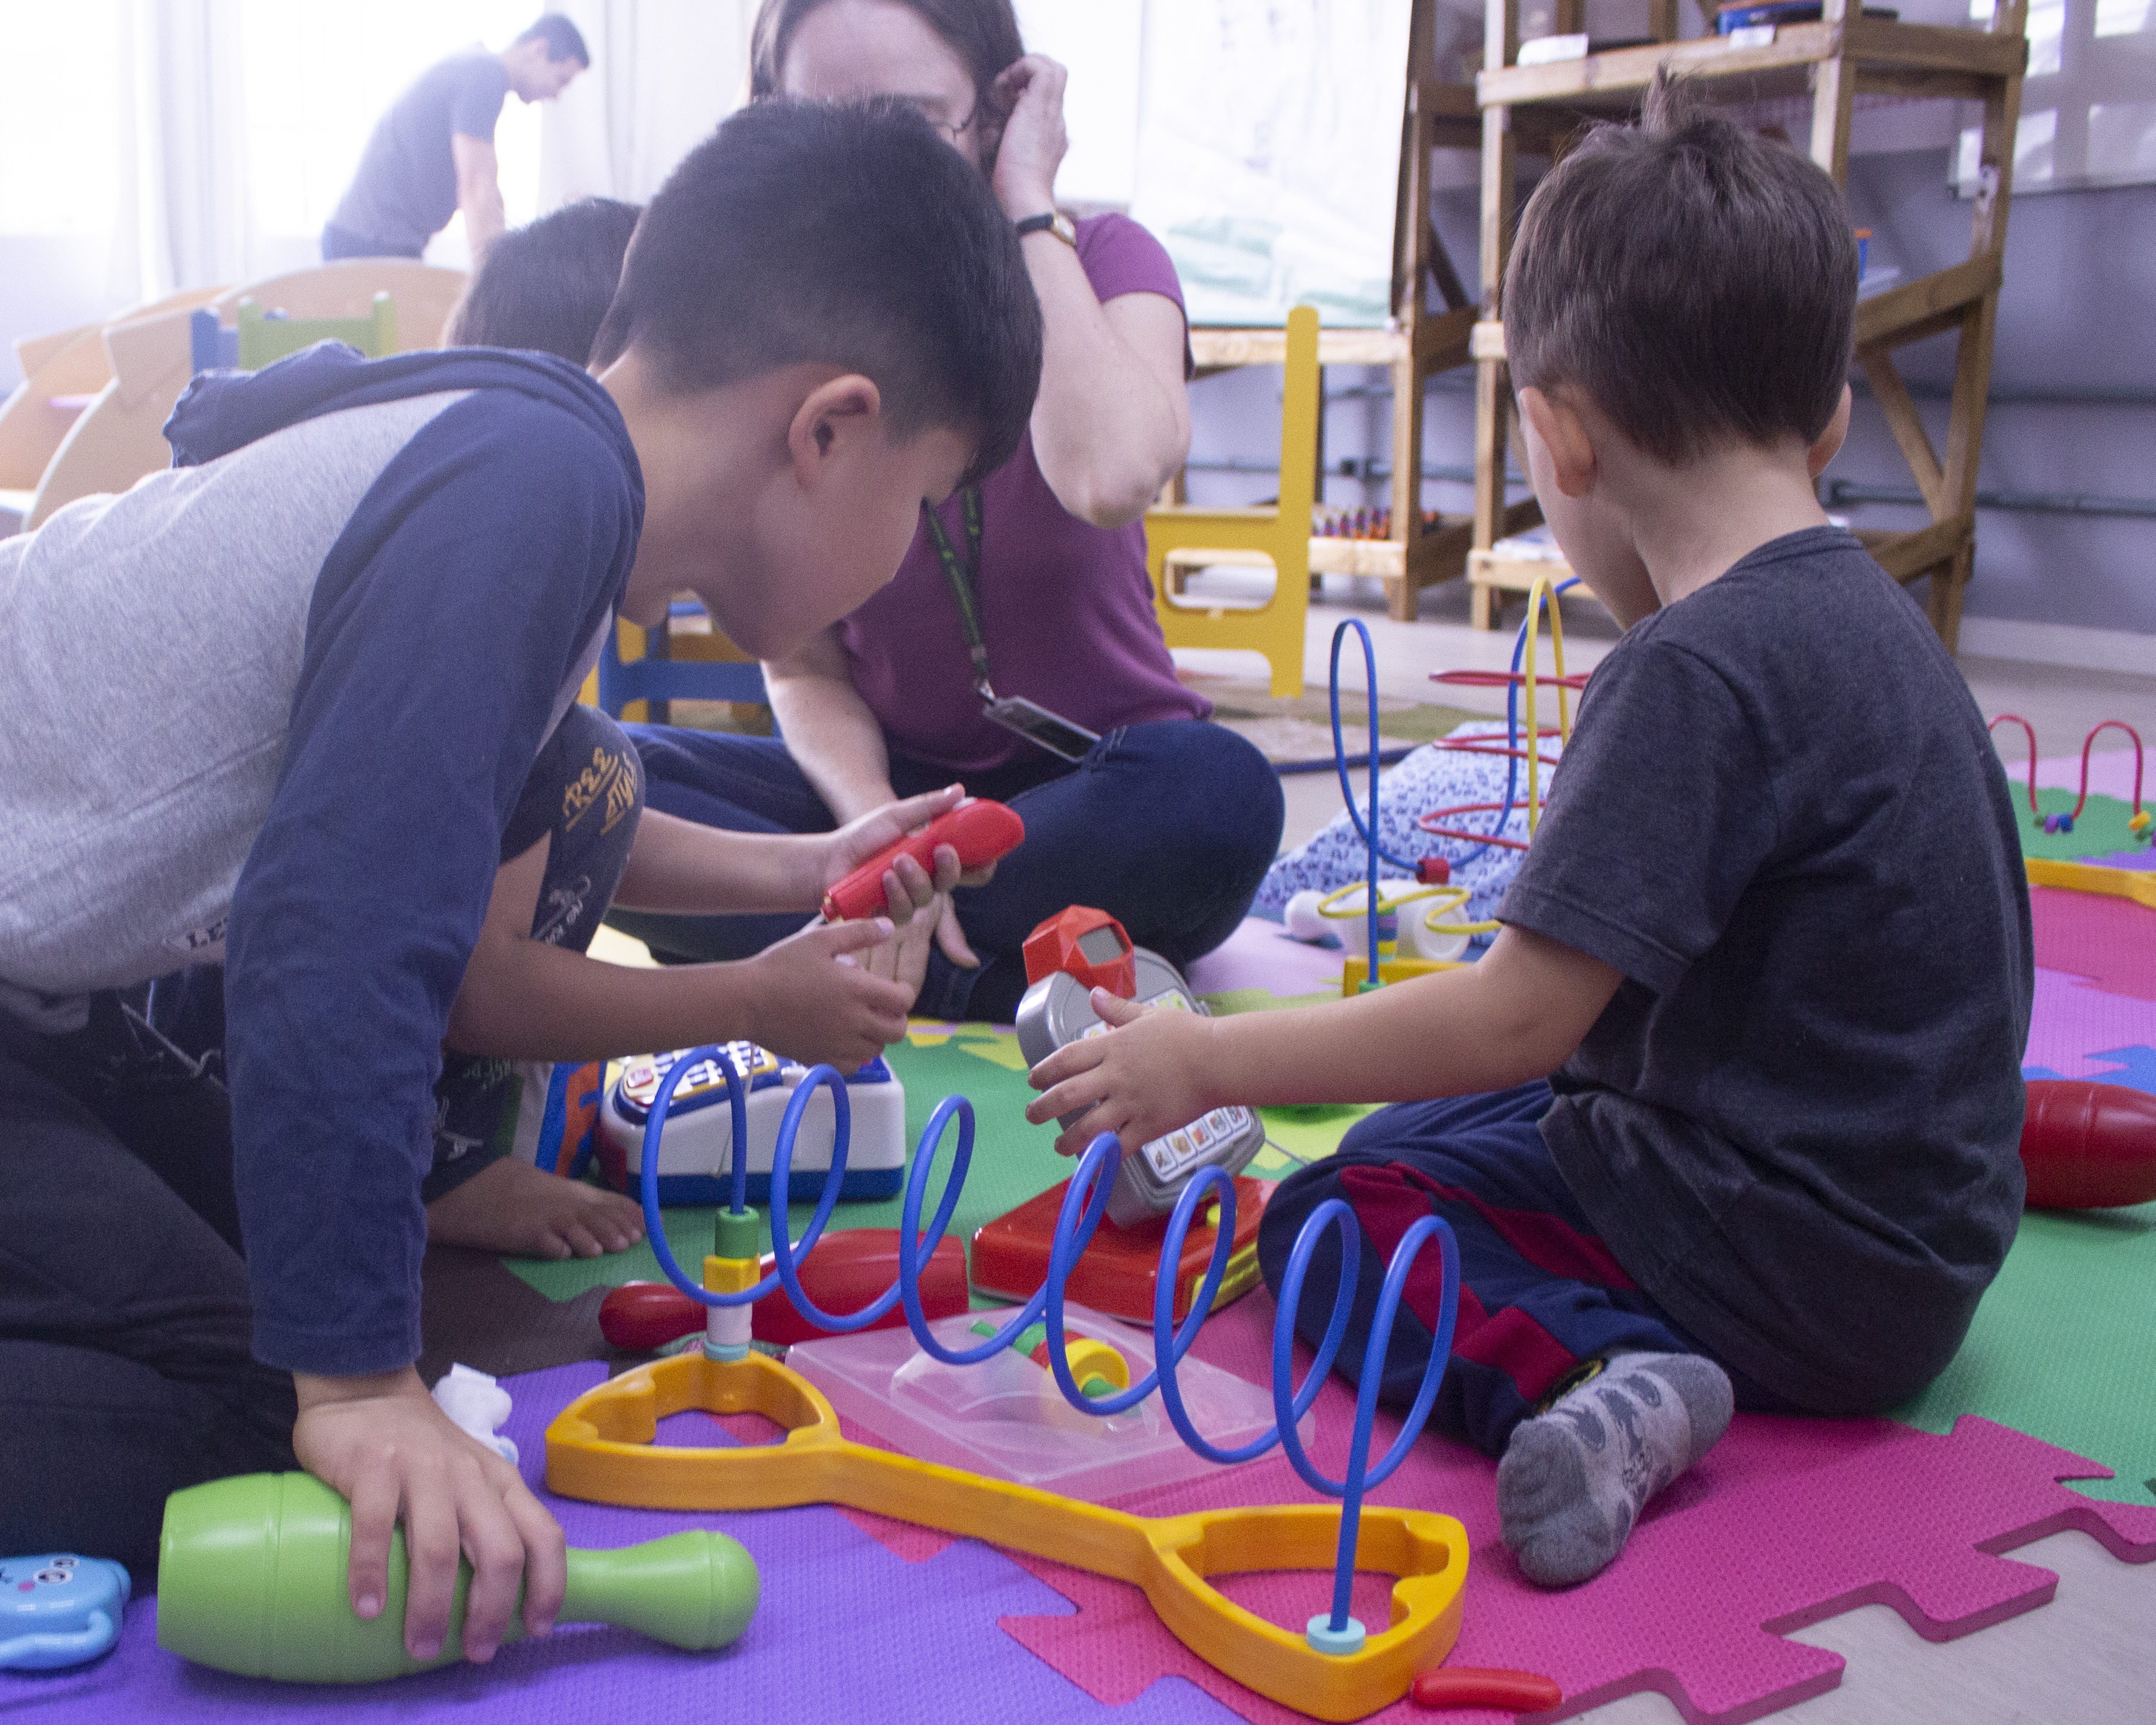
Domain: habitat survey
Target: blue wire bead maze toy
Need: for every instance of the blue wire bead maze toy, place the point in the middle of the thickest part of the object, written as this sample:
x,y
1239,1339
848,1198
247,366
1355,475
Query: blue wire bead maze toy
x,y
1438,933
601,1447
59,1610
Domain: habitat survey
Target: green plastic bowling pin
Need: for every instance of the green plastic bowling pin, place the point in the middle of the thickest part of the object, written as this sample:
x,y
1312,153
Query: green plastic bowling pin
x,y
251,1579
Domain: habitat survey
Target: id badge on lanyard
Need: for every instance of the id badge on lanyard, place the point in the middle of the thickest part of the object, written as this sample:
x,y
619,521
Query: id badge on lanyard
x,y
1034,722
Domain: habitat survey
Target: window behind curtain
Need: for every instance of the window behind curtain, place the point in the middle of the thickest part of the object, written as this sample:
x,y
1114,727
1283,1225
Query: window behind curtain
x,y
319,75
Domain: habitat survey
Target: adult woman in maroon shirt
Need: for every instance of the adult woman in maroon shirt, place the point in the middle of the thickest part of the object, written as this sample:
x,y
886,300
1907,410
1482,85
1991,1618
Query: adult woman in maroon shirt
x,y
1032,586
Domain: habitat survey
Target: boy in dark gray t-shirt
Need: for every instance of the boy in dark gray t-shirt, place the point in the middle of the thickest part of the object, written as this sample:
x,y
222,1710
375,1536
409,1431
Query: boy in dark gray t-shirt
x,y
1732,1105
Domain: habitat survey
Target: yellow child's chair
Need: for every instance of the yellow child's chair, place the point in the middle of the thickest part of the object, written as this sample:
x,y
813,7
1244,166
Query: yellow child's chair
x,y
1279,534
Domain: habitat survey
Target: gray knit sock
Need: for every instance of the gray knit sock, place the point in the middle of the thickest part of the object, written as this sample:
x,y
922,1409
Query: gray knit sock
x,y
1574,1481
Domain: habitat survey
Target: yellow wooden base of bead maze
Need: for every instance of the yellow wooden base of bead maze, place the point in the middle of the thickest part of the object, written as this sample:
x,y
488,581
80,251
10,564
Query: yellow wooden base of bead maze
x,y
1357,971
601,1448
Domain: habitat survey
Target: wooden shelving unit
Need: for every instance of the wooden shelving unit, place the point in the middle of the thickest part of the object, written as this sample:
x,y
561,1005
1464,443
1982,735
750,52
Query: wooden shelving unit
x,y
1833,62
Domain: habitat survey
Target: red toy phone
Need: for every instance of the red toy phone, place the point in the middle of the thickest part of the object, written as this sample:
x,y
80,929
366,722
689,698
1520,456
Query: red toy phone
x,y
980,831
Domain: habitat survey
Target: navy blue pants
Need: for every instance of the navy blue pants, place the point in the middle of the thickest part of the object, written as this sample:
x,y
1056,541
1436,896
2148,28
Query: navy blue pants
x,y
1168,827
1540,1294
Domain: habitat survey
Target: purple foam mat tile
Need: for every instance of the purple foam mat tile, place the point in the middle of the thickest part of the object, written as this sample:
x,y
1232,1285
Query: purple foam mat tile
x,y
845,1629
2073,1023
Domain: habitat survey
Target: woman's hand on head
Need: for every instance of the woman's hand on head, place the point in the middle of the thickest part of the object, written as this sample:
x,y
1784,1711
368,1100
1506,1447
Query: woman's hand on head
x,y
1028,93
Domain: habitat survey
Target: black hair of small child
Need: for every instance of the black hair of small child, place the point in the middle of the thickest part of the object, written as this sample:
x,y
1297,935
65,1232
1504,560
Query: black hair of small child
x,y
547,285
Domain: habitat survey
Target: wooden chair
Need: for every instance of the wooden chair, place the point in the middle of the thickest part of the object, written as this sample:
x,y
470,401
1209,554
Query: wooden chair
x,y
118,438
640,670
62,374
1280,534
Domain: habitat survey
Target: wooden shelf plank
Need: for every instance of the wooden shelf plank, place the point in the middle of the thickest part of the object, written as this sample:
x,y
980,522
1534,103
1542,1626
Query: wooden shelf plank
x,y
1901,314
1955,55
1945,48
1626,69
1219,347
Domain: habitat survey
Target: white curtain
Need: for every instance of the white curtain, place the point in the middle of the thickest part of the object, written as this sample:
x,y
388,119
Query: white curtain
x,y
183,213
664,72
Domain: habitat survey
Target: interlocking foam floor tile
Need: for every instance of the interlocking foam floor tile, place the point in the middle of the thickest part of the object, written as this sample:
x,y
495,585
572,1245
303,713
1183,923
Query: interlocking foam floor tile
x,y
844,1631
1786,1522
2110,942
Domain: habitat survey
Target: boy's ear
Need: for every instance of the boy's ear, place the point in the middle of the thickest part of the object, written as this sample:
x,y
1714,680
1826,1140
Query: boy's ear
x,y
1564,434
1828,443
830,417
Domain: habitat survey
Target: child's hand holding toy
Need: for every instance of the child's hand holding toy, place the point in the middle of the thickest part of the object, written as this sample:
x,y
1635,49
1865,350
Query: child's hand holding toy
x,y
1140,1081
396,1457
962,838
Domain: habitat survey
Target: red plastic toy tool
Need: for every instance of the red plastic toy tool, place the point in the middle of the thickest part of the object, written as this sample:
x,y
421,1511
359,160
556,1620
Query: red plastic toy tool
x,y
980,831
845,1272
2088,1146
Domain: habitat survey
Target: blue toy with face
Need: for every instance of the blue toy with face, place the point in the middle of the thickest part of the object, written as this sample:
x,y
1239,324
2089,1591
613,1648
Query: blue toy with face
x,y
59,1610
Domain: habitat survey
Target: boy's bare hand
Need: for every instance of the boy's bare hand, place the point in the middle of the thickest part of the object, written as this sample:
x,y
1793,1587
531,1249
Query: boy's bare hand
x,y
817,1000
918,903
396,1457
1141,1079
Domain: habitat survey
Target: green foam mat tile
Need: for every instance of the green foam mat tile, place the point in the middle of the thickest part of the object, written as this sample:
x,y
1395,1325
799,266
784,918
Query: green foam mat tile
x,y
2100,832
2061,1347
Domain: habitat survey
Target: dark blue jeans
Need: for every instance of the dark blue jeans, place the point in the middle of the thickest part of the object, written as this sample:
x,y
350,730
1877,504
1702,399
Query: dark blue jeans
x,y
1540,1294
1168,827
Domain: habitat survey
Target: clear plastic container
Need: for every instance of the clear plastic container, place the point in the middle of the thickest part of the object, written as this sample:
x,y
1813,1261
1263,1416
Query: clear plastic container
x,y
1005,1417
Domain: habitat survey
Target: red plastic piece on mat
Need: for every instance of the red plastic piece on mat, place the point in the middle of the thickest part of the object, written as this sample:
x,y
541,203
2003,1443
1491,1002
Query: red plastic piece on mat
x,y
1433,871
845,1273
1116,1272
1089,944
980,831
642,1316
1514,1691
2088,1146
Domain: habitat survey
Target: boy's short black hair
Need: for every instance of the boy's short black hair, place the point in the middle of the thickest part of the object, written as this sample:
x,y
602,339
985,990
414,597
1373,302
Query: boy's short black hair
x,y
1698,283
564,40
548,284
805,232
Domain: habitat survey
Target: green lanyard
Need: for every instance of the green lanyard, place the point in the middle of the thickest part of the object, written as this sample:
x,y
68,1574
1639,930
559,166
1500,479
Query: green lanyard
x,y
964,576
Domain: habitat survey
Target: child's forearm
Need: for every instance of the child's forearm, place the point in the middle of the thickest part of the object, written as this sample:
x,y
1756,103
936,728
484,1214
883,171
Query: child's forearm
x,y
680,866
1446,1035
542,1003
1514,1016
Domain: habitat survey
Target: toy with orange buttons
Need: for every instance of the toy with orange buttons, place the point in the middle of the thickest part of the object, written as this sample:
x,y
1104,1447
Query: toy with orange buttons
x,y
602,1446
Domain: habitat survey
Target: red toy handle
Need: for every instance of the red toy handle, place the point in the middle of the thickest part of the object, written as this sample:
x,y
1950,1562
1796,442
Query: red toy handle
x,y
841,1275
980,831
2088,1146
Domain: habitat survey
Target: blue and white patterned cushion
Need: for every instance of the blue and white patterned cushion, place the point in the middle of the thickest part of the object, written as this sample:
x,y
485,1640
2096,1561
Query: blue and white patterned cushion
x,y
1429,778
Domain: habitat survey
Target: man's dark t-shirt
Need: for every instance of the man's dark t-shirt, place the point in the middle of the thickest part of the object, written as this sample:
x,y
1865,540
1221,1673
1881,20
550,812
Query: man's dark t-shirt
x,y
406,189
1797,1123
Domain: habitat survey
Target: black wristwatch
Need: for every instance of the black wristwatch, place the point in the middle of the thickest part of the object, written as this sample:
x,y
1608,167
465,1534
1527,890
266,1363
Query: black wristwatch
x,y
1049,221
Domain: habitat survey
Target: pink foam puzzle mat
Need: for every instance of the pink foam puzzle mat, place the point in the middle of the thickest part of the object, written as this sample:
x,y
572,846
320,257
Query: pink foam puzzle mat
x,y
1786,1522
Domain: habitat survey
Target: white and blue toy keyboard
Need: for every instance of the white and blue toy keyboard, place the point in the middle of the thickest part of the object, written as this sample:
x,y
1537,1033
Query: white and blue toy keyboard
x,y
695,1158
